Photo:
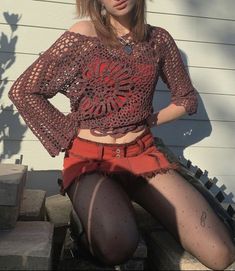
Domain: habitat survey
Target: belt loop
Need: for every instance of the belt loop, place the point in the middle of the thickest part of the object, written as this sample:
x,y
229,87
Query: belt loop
x,y
125,151
141,144
100,151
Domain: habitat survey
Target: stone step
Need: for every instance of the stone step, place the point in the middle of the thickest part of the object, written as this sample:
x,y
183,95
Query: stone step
x,y
12,182
27,247
33,205
58,209
165,253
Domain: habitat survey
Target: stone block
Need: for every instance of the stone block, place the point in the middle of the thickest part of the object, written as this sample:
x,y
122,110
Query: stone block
x,y
58,209
132,264
12,182
26,247
165,253
8,217
141,251
33,205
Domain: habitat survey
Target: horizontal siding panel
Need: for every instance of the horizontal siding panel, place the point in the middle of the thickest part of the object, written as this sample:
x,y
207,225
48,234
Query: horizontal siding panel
x,y
34,155
206,8
211,107
40,40
195,29
57,1
208,55
178,133
54,15
197,133
213,80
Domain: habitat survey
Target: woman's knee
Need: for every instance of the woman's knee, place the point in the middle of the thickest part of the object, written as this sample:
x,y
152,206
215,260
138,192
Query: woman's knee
x,y
108,217
116,247
223,256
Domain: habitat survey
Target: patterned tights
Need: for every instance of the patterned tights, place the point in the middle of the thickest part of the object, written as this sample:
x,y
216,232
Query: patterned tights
x,y
111,233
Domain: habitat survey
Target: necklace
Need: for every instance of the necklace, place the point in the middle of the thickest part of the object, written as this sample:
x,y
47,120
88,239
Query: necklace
x,y
128,46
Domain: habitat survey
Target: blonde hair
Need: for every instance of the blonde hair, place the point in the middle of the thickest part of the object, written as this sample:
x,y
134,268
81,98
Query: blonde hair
x,y
103,27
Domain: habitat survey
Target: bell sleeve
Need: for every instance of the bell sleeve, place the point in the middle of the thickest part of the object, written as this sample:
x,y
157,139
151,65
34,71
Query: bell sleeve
x,y
46,76
173,73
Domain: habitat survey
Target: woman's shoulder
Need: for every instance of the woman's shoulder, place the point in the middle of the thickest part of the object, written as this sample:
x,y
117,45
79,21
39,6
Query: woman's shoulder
x,y
84,27
159,30
160,34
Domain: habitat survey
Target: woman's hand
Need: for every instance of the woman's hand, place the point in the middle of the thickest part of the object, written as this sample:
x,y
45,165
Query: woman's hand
x,y
167,114
152,119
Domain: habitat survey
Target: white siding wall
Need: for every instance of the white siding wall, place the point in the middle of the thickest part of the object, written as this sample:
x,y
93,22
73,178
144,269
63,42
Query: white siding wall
x,y
204,32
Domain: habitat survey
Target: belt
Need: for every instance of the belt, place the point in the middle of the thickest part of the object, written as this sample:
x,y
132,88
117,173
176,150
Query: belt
x,y
114,150
127,150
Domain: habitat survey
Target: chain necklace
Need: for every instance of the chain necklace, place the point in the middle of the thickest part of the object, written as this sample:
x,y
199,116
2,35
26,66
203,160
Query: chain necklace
x,y
128,46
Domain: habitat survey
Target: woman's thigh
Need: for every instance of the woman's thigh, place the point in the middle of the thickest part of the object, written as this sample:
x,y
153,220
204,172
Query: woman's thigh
x,y
107,215
184,211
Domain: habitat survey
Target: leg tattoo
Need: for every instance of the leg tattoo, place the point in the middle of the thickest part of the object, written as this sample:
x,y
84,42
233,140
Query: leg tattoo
x,y
203,219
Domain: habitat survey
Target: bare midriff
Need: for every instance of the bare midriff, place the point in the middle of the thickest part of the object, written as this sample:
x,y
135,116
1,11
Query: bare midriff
x,y
128,137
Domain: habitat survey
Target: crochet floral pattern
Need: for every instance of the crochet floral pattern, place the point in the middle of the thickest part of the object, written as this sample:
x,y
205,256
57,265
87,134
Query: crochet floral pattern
x,y
109,90
107,87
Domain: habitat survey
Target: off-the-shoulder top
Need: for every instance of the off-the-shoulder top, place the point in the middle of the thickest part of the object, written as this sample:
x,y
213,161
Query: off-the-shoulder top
x,y
110,91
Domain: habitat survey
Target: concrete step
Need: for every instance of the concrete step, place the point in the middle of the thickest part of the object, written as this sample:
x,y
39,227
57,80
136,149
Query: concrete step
x,y
26,247
165,253
12,182
58,210
33,205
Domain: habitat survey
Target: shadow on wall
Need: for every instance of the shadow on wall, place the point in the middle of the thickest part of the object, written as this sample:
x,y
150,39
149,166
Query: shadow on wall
x,y
187,131
11,130
184,132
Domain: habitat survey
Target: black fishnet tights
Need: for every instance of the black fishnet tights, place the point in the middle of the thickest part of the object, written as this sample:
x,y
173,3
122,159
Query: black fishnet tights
x,y
108,218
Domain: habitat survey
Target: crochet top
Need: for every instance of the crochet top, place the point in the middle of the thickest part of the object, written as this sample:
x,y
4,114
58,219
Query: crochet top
x,y
110,91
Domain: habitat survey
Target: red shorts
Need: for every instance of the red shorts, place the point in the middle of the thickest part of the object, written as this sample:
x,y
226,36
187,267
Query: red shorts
x,y
138,158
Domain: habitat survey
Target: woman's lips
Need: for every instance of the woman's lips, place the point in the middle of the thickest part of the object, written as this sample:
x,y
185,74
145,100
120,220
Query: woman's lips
x,y
121,5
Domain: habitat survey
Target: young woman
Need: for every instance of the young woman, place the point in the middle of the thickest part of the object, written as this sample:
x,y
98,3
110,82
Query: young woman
x,y
108,67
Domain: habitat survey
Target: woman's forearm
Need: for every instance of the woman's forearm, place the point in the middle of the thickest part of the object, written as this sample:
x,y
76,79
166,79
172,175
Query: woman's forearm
x,y
167,114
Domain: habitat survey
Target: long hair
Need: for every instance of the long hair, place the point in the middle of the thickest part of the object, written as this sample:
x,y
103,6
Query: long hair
x,y
103,27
